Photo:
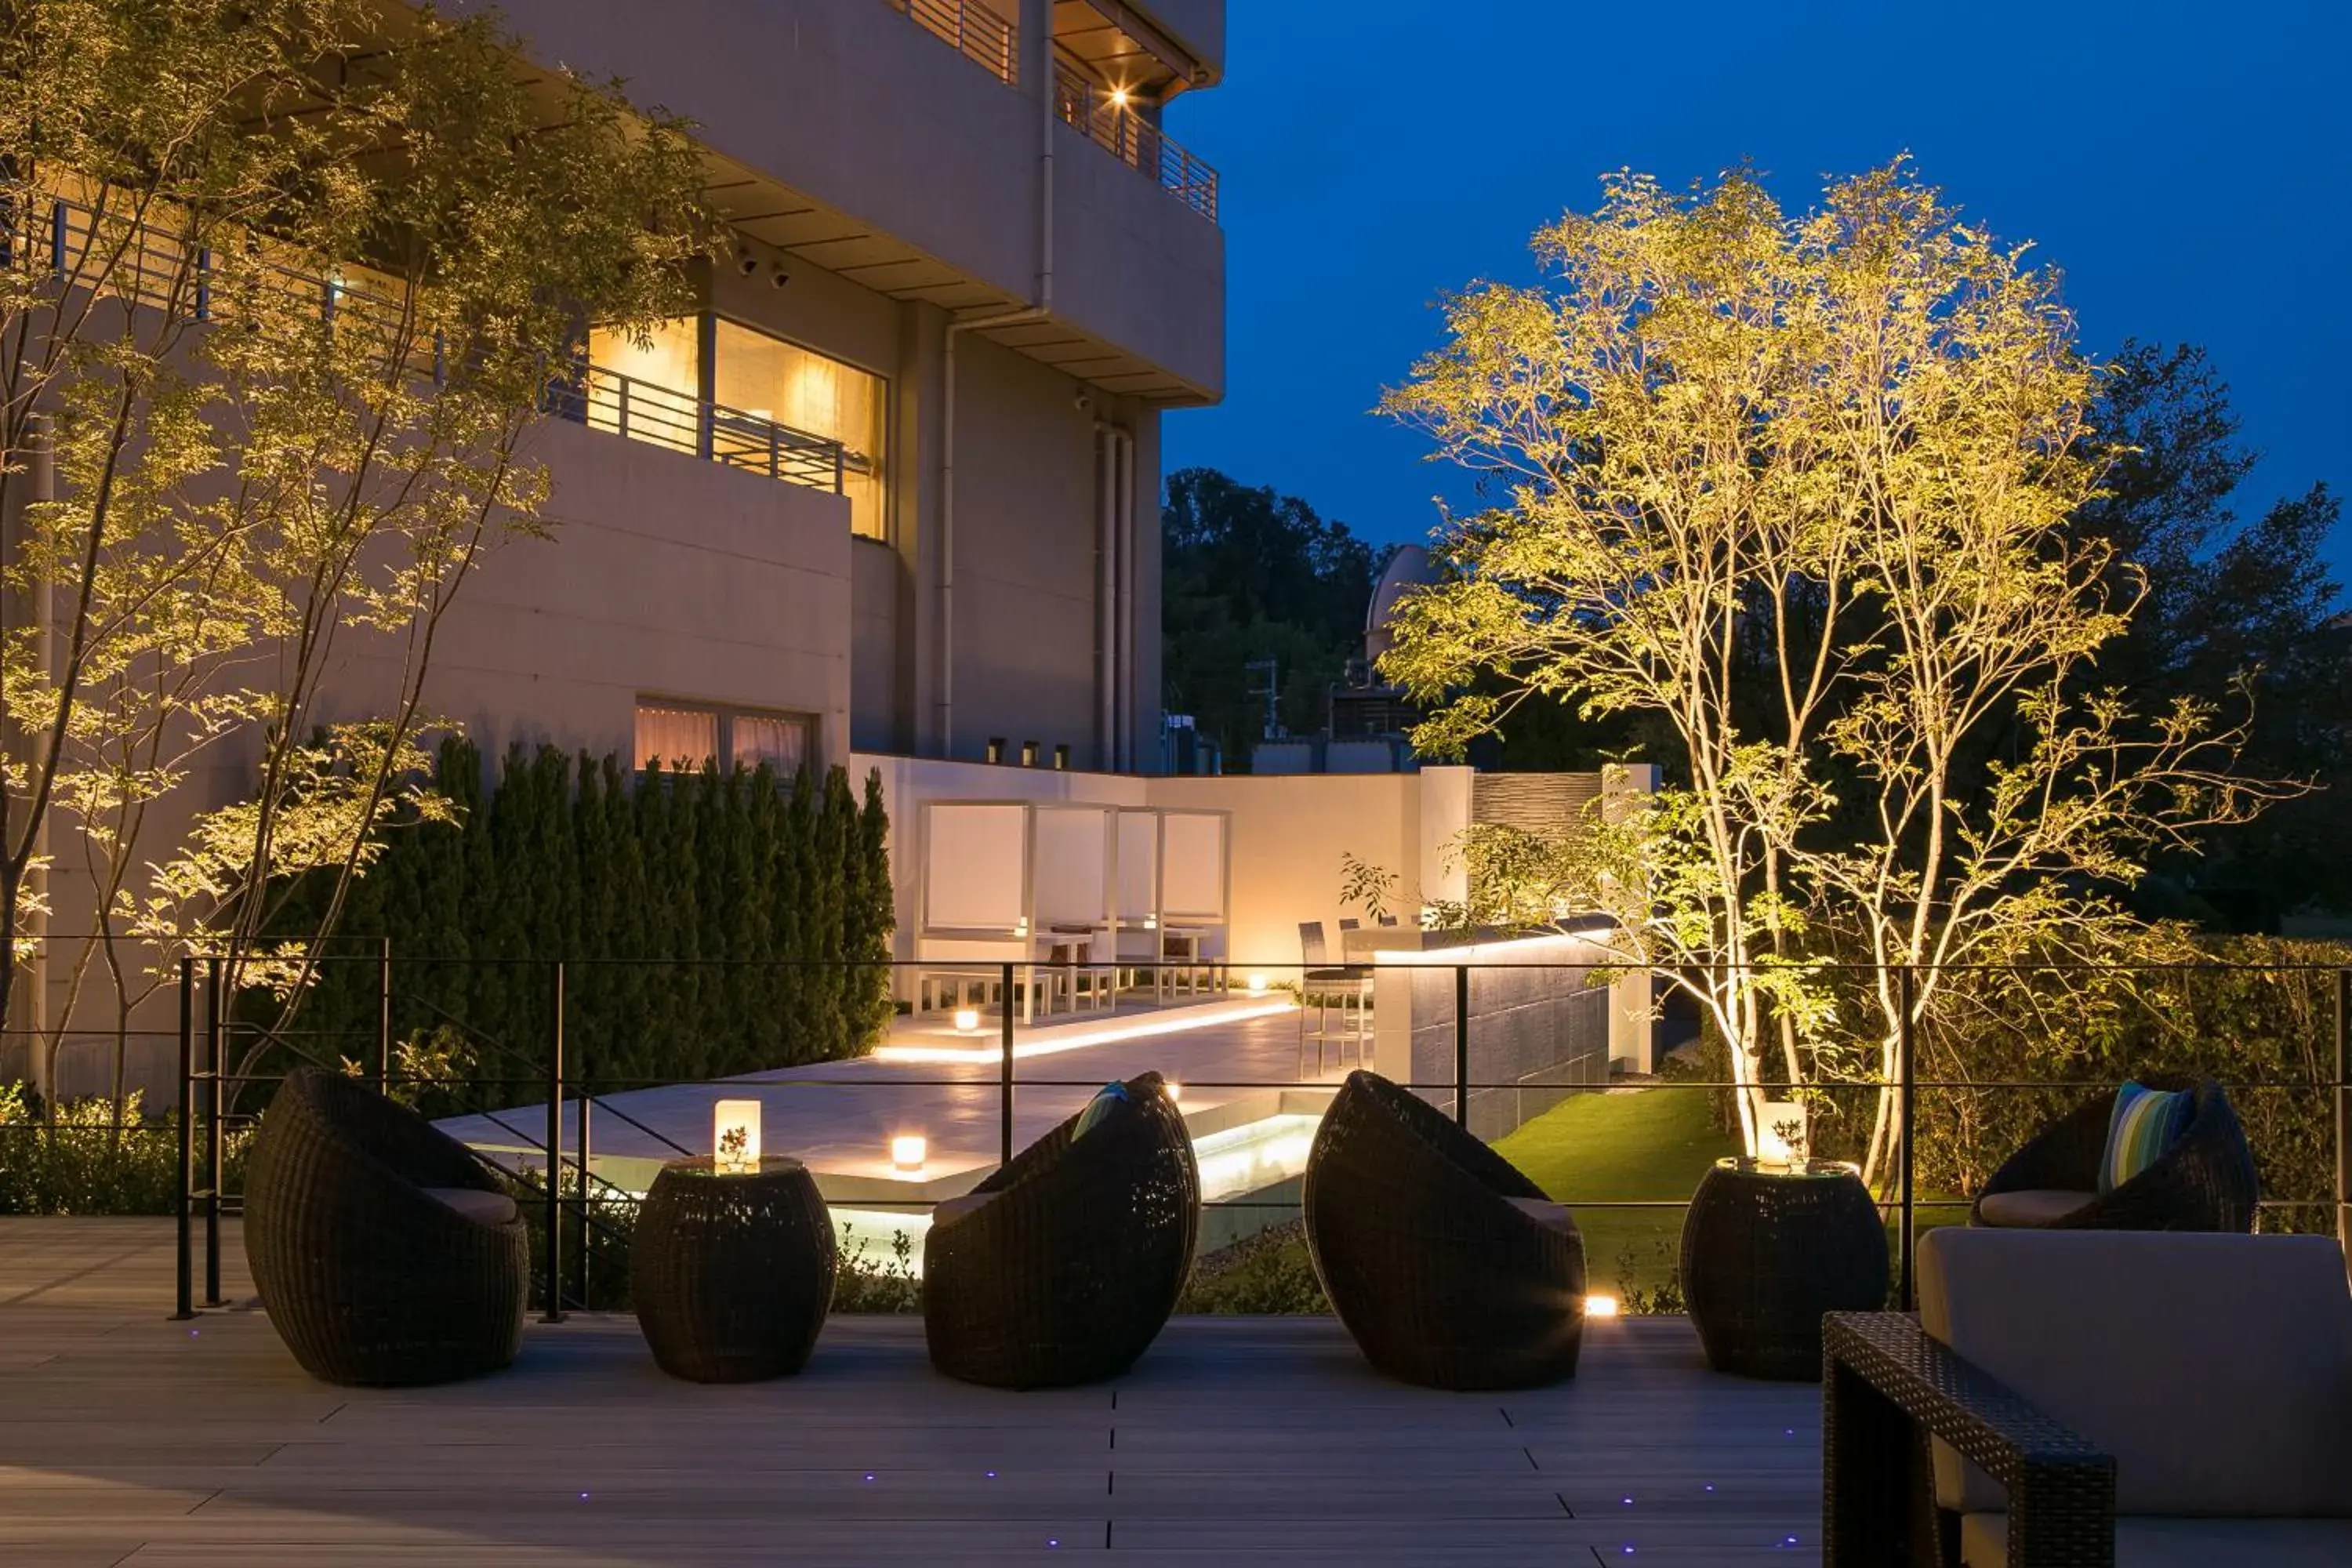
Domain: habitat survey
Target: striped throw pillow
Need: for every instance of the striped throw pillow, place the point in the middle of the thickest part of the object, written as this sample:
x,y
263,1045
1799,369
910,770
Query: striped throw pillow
x,y
2145,1124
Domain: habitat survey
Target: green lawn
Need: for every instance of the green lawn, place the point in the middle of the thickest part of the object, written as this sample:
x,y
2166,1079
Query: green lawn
x,y
1643,1144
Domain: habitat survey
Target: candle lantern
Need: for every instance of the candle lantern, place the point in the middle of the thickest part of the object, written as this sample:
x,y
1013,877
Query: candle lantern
x,y
735,1137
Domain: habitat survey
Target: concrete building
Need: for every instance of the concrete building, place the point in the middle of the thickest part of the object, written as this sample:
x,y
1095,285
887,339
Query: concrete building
x,y
895,488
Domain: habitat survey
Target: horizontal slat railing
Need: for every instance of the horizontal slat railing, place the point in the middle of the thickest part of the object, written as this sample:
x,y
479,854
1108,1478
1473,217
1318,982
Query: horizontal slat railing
x,y
974,30
156,269
1092,111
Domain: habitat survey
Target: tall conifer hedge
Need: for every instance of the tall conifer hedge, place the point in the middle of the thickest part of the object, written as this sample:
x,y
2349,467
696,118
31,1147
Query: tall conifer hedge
x,y
710,923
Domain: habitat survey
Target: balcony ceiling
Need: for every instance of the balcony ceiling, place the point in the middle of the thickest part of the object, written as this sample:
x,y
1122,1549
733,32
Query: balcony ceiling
x,y
1123,48
809,231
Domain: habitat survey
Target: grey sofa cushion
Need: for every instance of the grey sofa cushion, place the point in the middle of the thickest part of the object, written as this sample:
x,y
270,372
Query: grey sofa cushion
x,y
1543,1211
489,1208
2156,1541
2216,1369
953,1209
2031,1205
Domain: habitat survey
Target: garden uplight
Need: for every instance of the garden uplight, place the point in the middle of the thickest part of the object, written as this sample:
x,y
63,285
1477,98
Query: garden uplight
x,y
1601,1305
1258,985
735,1137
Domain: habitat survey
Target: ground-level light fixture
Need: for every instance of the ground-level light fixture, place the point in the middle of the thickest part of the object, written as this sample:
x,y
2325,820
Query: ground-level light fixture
x,y
1601,1305
967,1020
1258,985
1175,1091
907,1151
1028,754
735,1137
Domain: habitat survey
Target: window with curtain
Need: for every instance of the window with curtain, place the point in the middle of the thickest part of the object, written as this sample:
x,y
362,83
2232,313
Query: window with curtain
x,y
680,736
769,378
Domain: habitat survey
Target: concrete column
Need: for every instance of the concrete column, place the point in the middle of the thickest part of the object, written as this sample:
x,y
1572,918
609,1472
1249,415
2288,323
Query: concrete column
x,y
1142,659
1633,1004
1446,804
917,399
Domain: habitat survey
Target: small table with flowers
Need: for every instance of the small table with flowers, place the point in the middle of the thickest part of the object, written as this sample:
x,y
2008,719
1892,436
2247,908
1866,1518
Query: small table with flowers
x,y
732,1274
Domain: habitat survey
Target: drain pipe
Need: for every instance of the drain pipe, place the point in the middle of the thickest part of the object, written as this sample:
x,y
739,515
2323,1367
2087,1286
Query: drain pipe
x,y
1041,309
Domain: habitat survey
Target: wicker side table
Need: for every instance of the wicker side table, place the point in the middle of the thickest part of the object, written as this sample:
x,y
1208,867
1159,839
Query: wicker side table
x,y
1766,1252
732,1275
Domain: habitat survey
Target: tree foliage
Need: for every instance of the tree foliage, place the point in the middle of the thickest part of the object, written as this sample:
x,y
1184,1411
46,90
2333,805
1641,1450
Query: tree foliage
x,y
710,923
283,282
1247,574
1801,489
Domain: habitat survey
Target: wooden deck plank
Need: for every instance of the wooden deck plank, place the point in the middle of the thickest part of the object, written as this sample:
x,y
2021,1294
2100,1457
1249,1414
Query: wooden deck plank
x,y
129,1439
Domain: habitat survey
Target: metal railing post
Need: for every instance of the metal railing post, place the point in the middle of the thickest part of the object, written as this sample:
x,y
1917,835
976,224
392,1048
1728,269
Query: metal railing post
x,y
383,1017
1908,1067
581,1102
554,1216
214,1073
1005,1072
58,239
2343,1107
185,1307
1461,1045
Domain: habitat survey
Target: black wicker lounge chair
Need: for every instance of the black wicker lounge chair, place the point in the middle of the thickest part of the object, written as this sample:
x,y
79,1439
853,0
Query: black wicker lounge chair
x,y
2205,1181
1451,1269
384,1252
1062,1267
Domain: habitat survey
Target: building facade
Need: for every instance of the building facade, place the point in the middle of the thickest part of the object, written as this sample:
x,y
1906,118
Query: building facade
x,y
895,488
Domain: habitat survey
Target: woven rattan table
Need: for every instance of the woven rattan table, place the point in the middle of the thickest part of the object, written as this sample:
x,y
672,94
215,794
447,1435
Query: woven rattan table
x,y
1767,1251
732,1274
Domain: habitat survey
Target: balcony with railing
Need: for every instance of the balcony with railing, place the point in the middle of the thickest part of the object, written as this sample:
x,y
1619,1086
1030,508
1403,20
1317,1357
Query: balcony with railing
x,y
1104,116
972,29
148,266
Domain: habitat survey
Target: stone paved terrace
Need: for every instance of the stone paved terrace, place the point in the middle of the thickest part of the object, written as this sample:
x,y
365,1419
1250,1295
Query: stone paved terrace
x,y
127,1438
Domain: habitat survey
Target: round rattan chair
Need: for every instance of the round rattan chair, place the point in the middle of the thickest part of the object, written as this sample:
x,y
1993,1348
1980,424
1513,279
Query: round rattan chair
x,y
1062,1267
386,1254
2204,1181
1450,1268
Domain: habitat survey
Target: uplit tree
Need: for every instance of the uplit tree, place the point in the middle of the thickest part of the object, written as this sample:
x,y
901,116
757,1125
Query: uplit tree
x,y
285,286
1799,486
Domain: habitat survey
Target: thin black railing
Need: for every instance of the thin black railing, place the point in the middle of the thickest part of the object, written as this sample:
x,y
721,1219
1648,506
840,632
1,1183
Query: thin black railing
x,y
208,1083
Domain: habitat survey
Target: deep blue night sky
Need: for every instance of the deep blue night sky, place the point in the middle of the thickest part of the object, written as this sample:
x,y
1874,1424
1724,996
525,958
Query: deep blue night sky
x,y
2188,165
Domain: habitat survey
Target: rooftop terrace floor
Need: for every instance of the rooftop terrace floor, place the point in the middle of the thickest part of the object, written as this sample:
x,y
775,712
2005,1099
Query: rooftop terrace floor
x,y
127,1438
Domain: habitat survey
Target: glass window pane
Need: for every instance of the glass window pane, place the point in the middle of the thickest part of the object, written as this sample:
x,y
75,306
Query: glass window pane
x,y
677,738
646,390
781,744
769,379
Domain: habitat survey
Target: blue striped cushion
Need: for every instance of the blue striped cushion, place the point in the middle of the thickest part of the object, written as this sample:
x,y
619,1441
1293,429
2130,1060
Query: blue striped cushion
x,y
2145,1124
1107,1098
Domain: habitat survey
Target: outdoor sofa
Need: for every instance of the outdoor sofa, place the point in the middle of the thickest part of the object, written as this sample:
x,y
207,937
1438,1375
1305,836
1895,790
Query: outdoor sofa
x,y
2096,1397
1449,1267
384,1252
1064,1266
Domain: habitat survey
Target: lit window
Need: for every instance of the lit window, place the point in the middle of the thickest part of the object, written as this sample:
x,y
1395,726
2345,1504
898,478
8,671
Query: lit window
x,y
769,379
678,738
644,388
682,739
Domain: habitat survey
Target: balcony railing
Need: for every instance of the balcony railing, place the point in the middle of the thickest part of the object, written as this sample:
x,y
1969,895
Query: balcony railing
x,y
154,268
1097,114
972,29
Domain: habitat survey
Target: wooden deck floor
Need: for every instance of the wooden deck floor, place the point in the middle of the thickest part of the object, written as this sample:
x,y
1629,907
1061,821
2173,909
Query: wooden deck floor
x,y
128,1439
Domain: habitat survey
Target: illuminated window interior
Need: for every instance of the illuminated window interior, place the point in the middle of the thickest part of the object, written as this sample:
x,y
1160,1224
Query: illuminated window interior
x,y
656,401
683,737
770,379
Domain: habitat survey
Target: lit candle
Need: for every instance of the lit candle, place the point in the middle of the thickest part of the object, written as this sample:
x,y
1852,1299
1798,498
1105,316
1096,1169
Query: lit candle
x,y
735,1137
967,1020
907,1151
1258,985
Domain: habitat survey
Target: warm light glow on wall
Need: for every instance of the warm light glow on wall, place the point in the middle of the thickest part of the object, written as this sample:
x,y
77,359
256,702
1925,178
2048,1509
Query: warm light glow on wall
x,y
907,1151
735,1137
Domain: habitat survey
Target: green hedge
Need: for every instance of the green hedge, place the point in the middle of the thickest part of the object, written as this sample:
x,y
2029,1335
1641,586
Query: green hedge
x,y
638,883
